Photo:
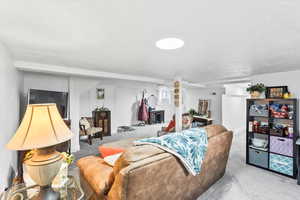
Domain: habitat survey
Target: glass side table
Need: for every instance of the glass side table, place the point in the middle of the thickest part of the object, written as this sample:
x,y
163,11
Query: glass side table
x,y
71,191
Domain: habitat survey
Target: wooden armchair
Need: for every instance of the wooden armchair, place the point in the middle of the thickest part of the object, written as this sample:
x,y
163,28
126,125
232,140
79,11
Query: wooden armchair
x,y
88,130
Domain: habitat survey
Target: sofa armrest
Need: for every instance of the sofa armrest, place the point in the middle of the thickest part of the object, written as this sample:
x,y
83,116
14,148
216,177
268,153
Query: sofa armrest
x,y
97,174
120,188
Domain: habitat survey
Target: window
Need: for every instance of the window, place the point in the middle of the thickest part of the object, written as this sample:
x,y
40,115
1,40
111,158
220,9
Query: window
x,y
164,96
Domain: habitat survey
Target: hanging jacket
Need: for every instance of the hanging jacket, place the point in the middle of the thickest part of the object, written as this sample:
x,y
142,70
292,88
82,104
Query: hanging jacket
x,y
143,113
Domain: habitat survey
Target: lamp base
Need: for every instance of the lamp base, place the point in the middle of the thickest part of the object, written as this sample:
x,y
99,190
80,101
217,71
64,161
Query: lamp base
x,y
47,193
42,168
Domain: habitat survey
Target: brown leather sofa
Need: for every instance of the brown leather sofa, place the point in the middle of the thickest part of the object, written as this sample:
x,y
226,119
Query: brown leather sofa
x,y
147,172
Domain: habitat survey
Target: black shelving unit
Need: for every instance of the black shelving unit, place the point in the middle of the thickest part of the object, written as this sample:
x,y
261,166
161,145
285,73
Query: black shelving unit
x,y
279,155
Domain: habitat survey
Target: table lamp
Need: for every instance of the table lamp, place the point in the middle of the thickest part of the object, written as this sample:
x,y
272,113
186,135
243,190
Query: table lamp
x,y
41,129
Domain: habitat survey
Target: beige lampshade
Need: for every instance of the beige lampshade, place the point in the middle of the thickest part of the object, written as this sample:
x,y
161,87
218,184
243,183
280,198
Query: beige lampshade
x,y
42,126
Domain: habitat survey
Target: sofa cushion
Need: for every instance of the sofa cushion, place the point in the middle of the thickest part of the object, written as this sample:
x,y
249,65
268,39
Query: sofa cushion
x,y
97,173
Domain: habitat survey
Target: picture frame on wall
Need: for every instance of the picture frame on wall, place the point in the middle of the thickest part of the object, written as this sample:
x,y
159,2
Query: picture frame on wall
x,y
100,93
276,92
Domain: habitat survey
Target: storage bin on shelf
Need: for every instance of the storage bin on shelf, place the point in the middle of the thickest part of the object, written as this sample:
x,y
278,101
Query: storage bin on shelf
x,y
258,157
277,132
281,164
281,111
259,110
281,145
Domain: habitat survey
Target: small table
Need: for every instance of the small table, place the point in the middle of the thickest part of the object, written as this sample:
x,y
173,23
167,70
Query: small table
x,y
205,120
71,191
298,159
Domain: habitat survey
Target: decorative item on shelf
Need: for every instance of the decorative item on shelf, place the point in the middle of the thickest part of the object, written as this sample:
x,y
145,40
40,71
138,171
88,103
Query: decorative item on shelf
x,y
258,127
256,90
263,129
250,128
255,126
259,110
277,130
276,92
290,132
287,95
281,111
41,129
260,143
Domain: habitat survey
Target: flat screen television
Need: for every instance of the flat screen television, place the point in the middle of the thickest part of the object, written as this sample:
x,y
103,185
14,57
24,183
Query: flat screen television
x,y
45,96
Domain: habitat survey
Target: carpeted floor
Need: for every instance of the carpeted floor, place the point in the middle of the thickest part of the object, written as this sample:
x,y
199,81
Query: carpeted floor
x,y
244,182
241,182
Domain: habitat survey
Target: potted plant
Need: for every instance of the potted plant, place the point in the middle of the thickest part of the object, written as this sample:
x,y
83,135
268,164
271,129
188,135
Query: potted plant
x,y
256,90
193,112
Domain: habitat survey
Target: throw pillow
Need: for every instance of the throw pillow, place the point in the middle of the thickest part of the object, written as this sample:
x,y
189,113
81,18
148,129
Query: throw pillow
x,y
108,151
171,126
110,160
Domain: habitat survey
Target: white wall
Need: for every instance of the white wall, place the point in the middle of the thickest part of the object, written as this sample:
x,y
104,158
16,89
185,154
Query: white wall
x,y
236,89
194,94
122,98
234,107
45,82
234,113
9,115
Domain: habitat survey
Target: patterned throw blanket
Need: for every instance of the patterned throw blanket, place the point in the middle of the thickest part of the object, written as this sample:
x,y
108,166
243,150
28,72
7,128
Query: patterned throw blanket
x,y
189,146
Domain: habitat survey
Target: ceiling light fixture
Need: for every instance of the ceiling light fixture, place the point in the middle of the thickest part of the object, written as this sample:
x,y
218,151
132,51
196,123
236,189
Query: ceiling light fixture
x,y
169,43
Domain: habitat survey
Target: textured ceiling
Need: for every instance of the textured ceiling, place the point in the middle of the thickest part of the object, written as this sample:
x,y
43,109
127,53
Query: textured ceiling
x,y
223,39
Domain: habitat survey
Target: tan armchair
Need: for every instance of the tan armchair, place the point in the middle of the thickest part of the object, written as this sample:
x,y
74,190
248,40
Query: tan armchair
x,y
88,130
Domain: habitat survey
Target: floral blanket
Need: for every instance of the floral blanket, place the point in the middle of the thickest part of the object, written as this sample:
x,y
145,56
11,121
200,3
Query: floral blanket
x,y
189,146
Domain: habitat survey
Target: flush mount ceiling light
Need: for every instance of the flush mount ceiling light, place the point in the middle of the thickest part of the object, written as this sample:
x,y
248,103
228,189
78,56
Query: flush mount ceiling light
x,y
169,43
